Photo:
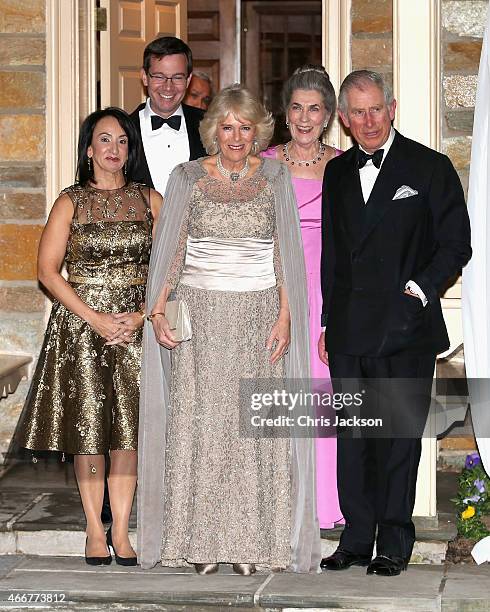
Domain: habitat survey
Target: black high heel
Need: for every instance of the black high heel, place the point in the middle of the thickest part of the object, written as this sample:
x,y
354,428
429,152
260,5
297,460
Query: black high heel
x,y
126,561
97,560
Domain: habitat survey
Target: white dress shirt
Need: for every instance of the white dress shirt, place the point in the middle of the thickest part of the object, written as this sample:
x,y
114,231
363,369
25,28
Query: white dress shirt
x,y
368,175
164,148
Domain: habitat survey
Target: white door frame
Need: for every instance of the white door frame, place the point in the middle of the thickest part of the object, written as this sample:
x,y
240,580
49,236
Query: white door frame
x,y
70,86
336,36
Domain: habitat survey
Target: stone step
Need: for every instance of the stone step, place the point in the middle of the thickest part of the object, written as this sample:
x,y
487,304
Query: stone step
x,y
430,547
51,522
422,588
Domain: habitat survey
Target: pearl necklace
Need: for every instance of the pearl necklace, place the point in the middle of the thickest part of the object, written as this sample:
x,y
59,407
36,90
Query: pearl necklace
x,y
233,176
304,162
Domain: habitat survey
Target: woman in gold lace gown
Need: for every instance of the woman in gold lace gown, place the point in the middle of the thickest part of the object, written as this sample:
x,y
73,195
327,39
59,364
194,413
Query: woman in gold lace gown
x,y
85,391
228,245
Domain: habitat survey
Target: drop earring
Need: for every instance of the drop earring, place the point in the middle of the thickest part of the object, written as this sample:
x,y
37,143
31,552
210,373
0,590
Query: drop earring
x,y
89,164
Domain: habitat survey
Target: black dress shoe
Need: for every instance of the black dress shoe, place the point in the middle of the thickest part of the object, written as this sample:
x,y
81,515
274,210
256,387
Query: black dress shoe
x,y
342,559
384,565
127,561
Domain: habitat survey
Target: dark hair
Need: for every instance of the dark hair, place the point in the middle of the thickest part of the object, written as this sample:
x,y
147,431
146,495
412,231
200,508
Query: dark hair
x,y
166,45
313,78
86,174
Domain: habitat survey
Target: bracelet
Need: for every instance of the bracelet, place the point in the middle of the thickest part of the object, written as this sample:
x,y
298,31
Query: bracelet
x,y
154,314
142,313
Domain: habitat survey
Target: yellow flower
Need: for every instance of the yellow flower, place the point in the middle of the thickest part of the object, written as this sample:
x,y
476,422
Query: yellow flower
x,y
468,513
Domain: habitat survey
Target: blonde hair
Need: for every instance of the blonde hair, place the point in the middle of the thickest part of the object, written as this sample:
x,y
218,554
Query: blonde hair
x,y
244,105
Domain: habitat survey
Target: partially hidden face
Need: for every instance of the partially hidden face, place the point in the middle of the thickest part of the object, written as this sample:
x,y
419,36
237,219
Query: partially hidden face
x,y
368,116
166,94
198,93
109,147
307,116
235,137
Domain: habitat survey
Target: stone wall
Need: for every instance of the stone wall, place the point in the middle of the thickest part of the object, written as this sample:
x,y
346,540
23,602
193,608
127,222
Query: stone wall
x,y
462,28
372,33
463,24
22,186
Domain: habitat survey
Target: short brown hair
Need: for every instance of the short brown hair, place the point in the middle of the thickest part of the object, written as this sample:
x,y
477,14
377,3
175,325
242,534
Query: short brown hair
x,y
166,45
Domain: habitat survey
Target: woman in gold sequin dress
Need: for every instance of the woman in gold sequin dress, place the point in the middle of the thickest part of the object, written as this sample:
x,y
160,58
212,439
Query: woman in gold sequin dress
x,y
229,245
85,391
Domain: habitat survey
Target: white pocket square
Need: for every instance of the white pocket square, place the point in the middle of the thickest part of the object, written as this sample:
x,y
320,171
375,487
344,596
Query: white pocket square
x,y
404,192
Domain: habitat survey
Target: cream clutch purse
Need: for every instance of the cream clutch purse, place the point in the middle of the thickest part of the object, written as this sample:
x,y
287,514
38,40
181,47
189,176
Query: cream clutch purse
x,y
178,317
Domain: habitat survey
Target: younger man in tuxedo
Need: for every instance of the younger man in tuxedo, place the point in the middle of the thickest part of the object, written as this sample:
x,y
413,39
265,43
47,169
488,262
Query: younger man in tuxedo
x,y
395,229
169,129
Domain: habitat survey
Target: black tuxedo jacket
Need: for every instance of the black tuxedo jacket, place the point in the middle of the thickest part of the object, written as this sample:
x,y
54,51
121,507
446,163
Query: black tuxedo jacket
x,y
370,251
192,117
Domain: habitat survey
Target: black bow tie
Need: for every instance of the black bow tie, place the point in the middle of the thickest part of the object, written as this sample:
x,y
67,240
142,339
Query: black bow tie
x,y
376,157
173,122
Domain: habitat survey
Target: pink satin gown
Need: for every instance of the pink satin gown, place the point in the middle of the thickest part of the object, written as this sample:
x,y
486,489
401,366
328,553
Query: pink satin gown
x,y
309,199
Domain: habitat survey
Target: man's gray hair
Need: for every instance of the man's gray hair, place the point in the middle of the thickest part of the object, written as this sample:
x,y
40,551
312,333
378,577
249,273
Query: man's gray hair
x,y
359,79
204,76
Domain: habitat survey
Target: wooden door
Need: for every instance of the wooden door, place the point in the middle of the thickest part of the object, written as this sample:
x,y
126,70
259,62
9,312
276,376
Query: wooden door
x,y
213,39
277,38
131,25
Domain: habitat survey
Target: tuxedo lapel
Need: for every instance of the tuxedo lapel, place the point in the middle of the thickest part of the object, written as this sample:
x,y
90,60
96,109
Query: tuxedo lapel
x,y
192,119
380,199
353,202
142,171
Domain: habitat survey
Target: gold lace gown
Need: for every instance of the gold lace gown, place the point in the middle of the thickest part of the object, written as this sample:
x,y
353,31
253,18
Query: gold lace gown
x,y
84,395
227,497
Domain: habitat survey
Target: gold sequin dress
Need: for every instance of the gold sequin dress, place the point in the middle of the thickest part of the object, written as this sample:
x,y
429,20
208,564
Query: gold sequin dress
x,y
227,497
84,395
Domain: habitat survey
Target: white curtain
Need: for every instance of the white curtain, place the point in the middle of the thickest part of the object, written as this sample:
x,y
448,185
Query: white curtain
x,y
476,285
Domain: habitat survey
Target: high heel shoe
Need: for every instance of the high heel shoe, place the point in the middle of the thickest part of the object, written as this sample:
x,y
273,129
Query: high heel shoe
x,y
97,560
127,561
245,569
206,568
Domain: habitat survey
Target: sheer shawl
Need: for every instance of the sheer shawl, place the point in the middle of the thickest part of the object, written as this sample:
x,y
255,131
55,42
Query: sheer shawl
x,y
155,372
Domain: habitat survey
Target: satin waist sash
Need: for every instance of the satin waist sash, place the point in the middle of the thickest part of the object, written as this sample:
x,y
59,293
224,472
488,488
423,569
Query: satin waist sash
x,y
244,264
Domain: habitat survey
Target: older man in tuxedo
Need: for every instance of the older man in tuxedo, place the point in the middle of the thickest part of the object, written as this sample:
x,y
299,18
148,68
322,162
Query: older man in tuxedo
x,y
395,230
169,129
200,91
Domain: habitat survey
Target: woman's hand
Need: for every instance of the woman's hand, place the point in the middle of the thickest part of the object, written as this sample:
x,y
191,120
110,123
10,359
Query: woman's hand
x,y
116,328
128,323
162,331
104,323
280,335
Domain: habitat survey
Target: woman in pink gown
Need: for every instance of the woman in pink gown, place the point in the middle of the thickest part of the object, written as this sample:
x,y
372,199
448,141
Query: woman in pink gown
x,y
309,101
